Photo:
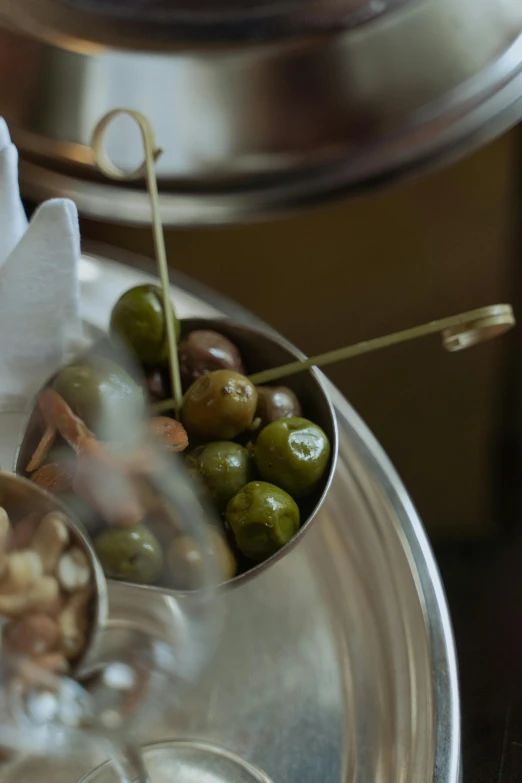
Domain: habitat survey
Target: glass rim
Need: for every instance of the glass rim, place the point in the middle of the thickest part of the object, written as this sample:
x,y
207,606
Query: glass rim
x,y
192,744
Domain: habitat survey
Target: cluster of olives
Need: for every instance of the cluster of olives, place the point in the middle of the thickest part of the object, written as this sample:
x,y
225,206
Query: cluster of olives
x,y
250,450
254,487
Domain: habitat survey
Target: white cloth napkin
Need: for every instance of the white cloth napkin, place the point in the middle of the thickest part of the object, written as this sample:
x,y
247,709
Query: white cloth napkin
x,y
40,324
39,288
13,221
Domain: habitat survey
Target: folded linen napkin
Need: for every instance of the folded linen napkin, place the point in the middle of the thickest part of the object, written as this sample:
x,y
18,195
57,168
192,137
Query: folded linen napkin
x,y
39,289
40,325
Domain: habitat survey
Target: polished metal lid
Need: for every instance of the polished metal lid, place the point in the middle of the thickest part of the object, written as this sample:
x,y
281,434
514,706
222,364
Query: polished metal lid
x,y
150,22
261,106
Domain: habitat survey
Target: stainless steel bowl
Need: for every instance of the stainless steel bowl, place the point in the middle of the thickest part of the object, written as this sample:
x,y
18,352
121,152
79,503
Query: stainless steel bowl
x,y
261,350
338,663
261,107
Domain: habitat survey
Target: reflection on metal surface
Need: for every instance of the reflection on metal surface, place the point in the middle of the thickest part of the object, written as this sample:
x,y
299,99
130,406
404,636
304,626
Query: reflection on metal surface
x,y
250,131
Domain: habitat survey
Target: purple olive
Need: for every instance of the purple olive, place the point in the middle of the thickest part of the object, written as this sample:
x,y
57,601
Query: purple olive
x,y
204,351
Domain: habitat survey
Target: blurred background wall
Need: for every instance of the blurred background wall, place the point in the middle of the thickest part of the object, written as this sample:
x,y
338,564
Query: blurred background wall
x,y
421,250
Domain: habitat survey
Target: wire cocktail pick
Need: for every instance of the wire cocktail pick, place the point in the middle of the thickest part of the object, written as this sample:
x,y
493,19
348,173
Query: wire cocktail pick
x,y
458,332
146,170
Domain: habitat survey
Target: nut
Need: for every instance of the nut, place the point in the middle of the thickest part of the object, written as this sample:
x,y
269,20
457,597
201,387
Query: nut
x,y
50,540
31,672
73,570
44,592
54,662
55,477
171,433
22,569
40,597
35,634
5,540
73,623
24,531
43,448
5,529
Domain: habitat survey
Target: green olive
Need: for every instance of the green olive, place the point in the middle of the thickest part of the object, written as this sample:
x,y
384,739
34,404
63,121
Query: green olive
x,y
138,319
262,518
186,558
103,395
132,554
224,467
219,406
292,453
